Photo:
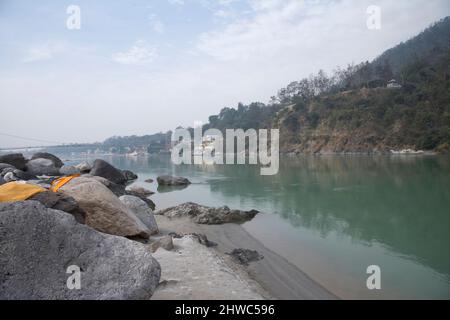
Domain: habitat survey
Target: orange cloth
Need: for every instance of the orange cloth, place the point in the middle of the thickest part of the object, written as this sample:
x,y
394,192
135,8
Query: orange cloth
x,y
59,183
18,191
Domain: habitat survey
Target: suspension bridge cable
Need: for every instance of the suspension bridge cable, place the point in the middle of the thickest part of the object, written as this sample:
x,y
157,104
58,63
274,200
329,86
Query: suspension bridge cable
x,y
29,139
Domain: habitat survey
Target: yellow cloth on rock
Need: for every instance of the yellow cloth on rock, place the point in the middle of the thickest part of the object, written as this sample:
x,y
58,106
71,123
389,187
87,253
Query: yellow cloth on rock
x,y
59,183
16,191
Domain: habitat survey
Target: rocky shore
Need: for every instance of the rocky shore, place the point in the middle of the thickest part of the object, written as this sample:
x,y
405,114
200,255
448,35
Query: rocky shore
x,y
55,217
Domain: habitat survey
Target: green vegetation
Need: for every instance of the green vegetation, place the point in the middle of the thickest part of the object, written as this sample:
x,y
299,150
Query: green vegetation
x,y
353,111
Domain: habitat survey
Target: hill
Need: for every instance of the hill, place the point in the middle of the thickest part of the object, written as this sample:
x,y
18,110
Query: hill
x,y
353,111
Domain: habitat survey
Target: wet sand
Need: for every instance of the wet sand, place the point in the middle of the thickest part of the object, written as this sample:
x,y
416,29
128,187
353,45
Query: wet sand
x,y
277,278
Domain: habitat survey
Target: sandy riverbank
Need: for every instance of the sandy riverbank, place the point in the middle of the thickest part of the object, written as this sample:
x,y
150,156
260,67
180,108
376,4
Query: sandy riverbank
x,y
193,271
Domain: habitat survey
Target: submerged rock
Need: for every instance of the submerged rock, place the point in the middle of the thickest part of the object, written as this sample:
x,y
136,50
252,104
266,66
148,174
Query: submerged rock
x,y
172,181
142,211
245,256
38,245
17,160
103,169
44,155
104,211
208,215
42,167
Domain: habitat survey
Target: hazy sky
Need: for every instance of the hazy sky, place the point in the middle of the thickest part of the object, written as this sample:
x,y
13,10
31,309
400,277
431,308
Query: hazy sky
x,y
138,67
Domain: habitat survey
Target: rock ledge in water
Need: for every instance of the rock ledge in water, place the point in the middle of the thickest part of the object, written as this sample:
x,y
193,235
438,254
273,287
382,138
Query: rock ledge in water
x,y
208,215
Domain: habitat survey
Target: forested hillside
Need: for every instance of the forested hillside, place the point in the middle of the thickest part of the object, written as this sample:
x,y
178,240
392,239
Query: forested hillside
x,y
352,110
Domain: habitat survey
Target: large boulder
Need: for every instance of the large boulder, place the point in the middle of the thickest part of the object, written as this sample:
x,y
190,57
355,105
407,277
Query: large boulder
x,y
44,155
103,169
16,159
42,167
62,202
37,245
172,181
119,190
208,215
104,211
142,211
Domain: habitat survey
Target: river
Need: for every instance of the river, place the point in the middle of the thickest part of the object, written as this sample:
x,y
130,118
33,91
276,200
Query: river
x,y
333,216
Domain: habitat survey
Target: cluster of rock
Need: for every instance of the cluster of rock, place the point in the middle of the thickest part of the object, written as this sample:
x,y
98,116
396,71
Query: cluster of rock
x,y
86,224
38,245
208,215
92,222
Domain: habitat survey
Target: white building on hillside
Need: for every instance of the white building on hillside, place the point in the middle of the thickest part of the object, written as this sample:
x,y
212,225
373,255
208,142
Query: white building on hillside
x,y
393,84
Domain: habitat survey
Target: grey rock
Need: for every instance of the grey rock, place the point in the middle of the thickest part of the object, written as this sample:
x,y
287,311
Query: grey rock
x,y
42,167
62,202
141,191
9,177
44,155
245,256
142,211
2,181
167,189
22,175
129,175
149,180
5,166
208,215
104,211
119,190
38,245
201,238
165,242
69,170
149,202
172,181
84,167
4,171
103,169
16,159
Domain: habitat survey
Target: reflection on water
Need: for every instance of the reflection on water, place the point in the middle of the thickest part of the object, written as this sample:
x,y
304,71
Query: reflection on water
x,y
341,213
